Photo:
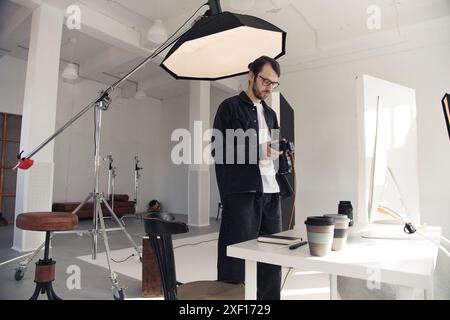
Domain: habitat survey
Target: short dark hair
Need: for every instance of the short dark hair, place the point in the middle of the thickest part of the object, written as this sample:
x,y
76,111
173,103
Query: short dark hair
x,y
257,65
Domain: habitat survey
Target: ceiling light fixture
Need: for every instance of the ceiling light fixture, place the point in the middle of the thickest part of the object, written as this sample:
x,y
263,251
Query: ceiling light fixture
x,y
157,33
70,72
140,94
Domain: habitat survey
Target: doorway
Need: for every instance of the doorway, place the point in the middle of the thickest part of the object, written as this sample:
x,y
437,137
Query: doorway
x,y
10,128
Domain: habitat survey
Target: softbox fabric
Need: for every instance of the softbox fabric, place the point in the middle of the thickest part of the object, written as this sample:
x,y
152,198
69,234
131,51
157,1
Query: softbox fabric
x,y
222,46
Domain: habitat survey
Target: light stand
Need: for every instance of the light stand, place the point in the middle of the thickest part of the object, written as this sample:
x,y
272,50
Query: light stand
x,y
137,175
111,180
101,104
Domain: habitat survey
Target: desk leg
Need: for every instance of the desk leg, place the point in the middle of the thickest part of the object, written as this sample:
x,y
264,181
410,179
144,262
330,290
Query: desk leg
x,y
404,293
250,280
333,287
429,293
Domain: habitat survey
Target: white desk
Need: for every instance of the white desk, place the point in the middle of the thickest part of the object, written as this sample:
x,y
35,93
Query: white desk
x,y
407,264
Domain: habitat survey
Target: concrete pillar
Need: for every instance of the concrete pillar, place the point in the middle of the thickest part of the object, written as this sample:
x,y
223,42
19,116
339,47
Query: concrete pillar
x,y
35,187
199,121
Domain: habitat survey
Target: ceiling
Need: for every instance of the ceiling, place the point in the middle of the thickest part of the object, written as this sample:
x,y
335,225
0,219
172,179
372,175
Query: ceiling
x,y
316,29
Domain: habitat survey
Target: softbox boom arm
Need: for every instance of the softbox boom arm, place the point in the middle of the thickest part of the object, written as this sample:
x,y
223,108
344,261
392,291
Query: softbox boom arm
x,y
103,98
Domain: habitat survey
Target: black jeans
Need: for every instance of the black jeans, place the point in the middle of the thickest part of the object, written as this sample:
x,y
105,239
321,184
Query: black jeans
x,y
246,216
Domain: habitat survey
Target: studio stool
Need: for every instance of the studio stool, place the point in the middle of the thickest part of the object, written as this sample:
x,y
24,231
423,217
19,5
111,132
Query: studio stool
x,y
48,222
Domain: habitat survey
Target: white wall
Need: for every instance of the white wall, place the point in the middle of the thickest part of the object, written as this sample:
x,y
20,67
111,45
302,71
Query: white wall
x,y
12,88
325,115
174,182
129,127
174,178
12,84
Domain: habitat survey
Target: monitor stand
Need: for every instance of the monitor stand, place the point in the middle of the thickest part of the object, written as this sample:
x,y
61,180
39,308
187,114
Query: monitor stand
x,y
385,229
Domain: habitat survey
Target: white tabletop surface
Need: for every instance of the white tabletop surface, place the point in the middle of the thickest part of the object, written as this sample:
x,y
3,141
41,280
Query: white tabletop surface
x,y
400,262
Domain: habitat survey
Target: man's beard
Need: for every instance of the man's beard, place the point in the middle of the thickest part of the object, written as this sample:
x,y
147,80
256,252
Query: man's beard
x,y
258,94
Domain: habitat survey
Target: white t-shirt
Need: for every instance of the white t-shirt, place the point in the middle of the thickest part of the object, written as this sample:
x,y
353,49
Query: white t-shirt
x,y
267,167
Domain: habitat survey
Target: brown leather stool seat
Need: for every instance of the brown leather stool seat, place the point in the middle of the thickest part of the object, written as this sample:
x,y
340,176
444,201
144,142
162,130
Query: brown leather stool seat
x,y
47,222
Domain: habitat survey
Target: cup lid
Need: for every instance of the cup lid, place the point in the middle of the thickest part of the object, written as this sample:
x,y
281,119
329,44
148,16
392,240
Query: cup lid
x,y
319,221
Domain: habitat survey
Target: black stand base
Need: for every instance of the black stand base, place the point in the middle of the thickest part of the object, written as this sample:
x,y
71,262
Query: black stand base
x,y
45,275
42,288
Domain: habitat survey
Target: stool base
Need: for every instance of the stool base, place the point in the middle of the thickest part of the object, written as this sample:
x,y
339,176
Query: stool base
x,y
45,288
44,277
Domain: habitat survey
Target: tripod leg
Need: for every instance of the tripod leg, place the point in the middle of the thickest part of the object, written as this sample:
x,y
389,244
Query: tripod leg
x,y
94,241
36,293
23,265
138,251
95,219
82,204
113,276
105,240
51,293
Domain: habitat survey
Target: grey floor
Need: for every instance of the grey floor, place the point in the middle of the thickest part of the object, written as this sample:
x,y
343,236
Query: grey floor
x,y
95,283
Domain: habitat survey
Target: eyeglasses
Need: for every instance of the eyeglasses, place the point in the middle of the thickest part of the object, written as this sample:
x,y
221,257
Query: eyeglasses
x,y
267,82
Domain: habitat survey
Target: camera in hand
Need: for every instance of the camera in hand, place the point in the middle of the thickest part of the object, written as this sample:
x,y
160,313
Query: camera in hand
x,y
285,160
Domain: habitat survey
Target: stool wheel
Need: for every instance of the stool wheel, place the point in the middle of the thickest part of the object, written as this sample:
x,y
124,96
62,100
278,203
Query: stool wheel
x,y
118,294
19,274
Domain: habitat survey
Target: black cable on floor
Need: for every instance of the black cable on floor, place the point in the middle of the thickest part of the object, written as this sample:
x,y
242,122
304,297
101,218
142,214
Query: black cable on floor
x,y
122,261
194,244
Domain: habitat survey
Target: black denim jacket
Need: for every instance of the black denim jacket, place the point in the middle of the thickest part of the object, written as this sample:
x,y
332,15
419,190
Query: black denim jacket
x,y
236,113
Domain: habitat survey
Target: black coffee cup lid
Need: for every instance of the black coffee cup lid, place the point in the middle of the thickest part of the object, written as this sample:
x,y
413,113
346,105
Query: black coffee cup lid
x,y
319,221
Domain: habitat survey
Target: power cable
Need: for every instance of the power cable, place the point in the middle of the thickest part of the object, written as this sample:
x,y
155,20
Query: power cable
x,y
194,244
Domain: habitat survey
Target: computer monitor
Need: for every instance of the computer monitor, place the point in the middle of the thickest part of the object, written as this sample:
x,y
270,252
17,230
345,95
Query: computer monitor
x,y
446,108
388,157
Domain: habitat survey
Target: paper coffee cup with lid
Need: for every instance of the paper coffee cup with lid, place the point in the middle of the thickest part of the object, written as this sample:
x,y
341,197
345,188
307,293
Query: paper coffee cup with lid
x,y
341,224
320,233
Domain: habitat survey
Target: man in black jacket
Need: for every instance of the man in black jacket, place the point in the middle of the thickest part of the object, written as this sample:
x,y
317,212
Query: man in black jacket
x,y
246,175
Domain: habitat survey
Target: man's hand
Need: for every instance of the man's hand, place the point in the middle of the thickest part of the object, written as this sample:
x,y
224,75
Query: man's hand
x,y
268,153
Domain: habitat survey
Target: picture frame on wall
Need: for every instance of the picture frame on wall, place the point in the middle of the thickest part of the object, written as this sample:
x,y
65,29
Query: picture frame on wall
x,y
446,108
